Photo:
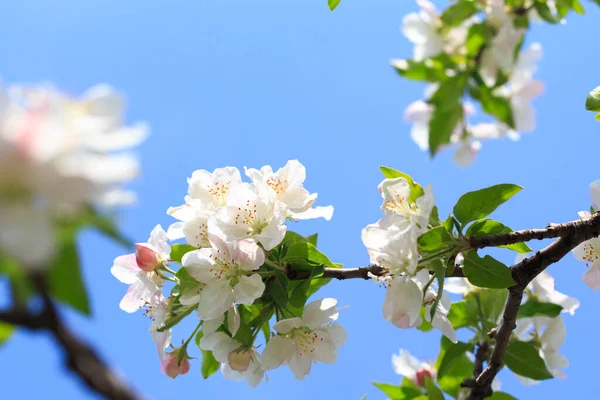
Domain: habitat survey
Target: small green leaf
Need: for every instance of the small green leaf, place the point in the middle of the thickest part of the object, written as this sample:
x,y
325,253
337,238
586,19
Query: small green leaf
x,y
416,190
65,278
179,250
463,313
523,358
435,239
6,331
209,364
544,11
279,289
491,227
534,307
432,70
502,396
458,12
477,36
312,239
592,102
396,392
304,256
486,272
450,357
425,326
480,203
498,106
450,382
442,125
333,4
433,392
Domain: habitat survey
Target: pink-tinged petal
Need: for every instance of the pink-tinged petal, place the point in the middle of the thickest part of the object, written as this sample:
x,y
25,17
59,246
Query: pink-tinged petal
x,y
138,294
531,90
248,289
278,351
402,303
125,268
147,258
591,277
248,255
170,367
158,239
595,194
405,364
226,249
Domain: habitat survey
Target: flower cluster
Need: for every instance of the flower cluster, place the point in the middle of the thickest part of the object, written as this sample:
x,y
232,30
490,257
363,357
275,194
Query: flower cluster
x,y
231,228
589,251
58,156
392,244
506,86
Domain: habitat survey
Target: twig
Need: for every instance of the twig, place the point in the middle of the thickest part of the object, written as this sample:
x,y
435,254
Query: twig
x,y
571,234
354,273
80,358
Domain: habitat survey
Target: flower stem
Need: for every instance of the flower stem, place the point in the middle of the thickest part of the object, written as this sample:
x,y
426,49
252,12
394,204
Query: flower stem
x,y
274,265
193,334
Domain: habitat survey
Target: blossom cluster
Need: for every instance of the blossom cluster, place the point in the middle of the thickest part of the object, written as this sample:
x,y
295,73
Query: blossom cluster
x,y
230,227
392,244
505,81
59,155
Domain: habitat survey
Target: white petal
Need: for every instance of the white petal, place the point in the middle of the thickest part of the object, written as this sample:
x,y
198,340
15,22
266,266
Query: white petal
x,y
591,277
248,255
325,212
125,269
299,365
286,325
338,334
215,299
278,350
405,364
198,264
248,289
320,312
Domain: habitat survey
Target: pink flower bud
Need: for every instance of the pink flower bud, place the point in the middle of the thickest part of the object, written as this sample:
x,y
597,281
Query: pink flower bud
x,y
421,374
171,368
239,360
147,258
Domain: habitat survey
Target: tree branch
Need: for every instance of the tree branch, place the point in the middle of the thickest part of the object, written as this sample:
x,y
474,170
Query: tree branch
x,y
80,358
571,234
354,273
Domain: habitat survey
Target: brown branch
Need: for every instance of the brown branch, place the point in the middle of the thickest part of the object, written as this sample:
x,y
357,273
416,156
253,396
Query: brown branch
x,y
80,358
525,235
572,234
354,273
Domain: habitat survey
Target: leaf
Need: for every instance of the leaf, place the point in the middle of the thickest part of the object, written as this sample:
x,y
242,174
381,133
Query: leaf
x,y
442,125
299,295
461,368
477,36
279,289
396,392
312,239
433,392
6,331
209,364
416,190
458,12
432,70
544,11
305,256
424,326
106,225
64,276
480,203
523,358
451,356
592,102
333,4
491,227
463,313
498,106
179,250
486,272
435,239
502,396
534,307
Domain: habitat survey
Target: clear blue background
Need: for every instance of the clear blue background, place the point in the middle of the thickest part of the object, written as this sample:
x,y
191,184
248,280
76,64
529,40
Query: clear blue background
x,y
258,82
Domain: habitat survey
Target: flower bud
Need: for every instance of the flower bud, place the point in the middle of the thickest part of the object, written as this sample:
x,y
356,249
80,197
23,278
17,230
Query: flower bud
x,y
239,360
421,374
147,258
171,367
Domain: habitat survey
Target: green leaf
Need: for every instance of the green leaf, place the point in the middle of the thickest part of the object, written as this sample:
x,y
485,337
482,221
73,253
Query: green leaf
x,y
299,294
433,392
491,227
396,392
486,272
544,11
450,382
442,125
64,277
179,250
312,239
450,357
305,256
106,225
209,364
458,12
502,396
435,239
425,326
477,36
416,190
432,70
498,106
592,102
333,4
6,331
463,313
534,307
279,289
186,281
480,203
523,358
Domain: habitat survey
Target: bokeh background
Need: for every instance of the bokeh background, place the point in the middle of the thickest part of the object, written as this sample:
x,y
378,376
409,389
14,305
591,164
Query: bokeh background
x,y
253,82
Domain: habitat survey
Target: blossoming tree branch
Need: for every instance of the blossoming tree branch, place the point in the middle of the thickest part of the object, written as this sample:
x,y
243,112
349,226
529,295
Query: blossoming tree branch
x,y
255,289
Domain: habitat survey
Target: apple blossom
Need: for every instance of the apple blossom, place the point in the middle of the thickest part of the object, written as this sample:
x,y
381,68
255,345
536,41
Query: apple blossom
x,y
158,310
226,270
300,342
287,183
589,252
542,287
402,304
595,194
172,367
412,216
409,366
139,270
440,318
251,211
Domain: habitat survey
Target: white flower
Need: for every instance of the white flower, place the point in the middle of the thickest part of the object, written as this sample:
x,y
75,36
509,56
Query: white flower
x,y
595,194
303,341
423,29
227,271
391,247
589,252
440,319
402,304
237,362
409,366
407,215
287,183
251,211
133,270
158,311
543,288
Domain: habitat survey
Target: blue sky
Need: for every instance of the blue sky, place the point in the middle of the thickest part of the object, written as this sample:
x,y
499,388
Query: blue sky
x,y
260,82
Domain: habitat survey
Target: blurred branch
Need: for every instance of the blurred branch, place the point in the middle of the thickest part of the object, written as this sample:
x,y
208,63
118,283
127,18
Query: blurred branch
x,y
80,358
